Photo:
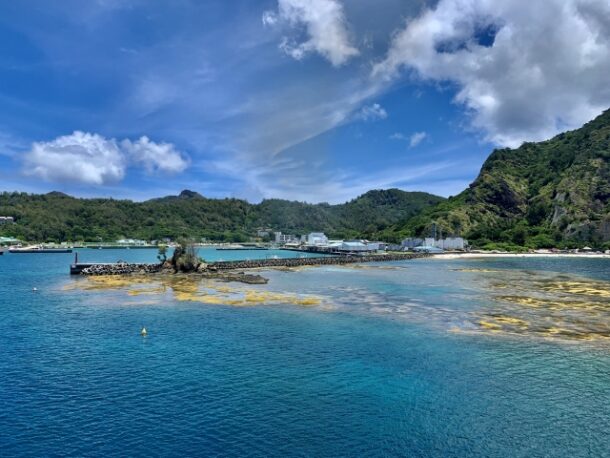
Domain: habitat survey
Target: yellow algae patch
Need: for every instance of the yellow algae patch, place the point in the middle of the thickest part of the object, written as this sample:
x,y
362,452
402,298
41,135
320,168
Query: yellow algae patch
x,y
472,269
246,298
586,288
189,289
489,325
509,320
107,282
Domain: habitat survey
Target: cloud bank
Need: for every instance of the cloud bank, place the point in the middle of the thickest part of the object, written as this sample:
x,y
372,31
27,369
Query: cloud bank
x,y
324,21
524,71
91,159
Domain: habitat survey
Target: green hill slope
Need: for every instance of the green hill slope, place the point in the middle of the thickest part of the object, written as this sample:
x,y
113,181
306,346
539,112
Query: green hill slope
x,y
552,193
58,217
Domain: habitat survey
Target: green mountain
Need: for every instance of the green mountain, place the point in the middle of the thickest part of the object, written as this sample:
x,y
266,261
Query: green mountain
x,y
548,194
59,217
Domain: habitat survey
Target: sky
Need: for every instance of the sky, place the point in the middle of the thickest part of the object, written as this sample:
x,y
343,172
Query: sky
x,y
309,100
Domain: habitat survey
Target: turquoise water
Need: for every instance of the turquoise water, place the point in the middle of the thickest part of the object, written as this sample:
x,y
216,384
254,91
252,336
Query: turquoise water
x,y
497,358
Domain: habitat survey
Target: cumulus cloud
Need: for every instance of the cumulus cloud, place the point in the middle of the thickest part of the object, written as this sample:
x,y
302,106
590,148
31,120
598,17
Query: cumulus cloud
x,y
372,113
91,159
326,26
81,158
155,157
417,138
523,71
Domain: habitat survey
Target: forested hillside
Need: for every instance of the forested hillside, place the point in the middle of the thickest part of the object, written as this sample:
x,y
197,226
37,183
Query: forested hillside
x,y
549,194
59,217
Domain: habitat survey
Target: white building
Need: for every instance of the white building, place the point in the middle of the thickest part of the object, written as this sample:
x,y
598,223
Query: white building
x,y
6,219
411,242
354,246
284,238
449,243
317,239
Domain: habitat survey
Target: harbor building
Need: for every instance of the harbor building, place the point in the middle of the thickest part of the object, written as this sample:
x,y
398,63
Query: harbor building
x,y
411,242
317,239
449,243
283,239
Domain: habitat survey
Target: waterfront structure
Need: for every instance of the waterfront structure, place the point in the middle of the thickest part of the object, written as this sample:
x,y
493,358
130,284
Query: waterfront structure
x,y
360,246
449,243
131,242
283,239
411,242
317,239
9,241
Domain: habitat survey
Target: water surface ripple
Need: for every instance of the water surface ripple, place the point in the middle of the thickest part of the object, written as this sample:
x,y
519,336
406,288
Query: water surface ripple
x,y
391,360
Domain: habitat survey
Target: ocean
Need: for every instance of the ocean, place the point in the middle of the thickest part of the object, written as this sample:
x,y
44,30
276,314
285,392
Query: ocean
x,y
432,358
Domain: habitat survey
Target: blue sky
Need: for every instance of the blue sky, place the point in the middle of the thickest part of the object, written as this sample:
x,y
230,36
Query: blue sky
x,y
313,100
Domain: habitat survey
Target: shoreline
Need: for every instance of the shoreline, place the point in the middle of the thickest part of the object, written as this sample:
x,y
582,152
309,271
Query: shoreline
x,y
447,256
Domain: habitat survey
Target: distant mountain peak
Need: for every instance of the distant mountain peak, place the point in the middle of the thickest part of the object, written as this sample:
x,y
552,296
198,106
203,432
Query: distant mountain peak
x,y
57,194
188,194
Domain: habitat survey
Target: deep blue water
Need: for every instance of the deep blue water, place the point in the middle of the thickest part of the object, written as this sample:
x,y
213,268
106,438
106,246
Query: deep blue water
x,y
393,361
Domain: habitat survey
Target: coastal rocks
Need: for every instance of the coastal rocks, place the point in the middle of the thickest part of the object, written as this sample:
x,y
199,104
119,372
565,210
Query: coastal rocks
x,y
226,270
240,277
317,261
121,269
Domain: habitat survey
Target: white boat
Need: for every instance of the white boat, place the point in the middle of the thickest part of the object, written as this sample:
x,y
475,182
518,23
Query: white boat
x,y
39,249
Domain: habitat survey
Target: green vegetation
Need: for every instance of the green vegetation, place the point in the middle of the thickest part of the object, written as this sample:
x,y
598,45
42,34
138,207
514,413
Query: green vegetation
x,y
57,217
541,195
185,257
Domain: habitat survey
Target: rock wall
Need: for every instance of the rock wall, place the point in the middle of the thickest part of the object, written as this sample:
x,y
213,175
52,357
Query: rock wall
x,y
124,268
318,261
121,269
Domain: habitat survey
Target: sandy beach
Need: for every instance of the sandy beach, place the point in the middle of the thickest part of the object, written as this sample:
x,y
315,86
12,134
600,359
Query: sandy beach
x,y
479,255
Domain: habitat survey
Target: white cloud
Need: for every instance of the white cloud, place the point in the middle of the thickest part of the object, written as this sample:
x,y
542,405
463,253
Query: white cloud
x,y
81,158
397,136
94,160
372,113
417,138
326,27
155,157
545,70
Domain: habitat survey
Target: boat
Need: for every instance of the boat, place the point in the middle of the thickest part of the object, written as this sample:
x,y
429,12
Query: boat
x,y
39,249
2,250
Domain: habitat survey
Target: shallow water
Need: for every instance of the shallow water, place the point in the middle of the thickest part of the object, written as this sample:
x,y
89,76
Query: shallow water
x,y
418,358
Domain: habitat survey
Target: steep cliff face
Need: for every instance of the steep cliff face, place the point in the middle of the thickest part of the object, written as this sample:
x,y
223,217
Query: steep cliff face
x,y
540,194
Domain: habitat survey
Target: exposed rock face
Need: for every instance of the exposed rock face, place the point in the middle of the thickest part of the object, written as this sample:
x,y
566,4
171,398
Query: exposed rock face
x,y
557,190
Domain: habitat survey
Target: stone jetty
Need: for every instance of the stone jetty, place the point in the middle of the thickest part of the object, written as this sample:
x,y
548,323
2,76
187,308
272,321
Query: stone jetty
x,y
126,269
311,261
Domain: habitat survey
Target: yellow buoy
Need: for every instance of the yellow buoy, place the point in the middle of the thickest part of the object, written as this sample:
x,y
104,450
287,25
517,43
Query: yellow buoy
x,y
143,332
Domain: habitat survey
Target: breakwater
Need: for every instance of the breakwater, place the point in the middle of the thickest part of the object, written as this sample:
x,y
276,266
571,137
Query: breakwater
x,y
297,262
120,268
125,268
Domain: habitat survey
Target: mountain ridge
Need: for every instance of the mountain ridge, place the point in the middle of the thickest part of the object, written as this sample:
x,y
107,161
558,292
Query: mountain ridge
x,y
539,195
58,217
